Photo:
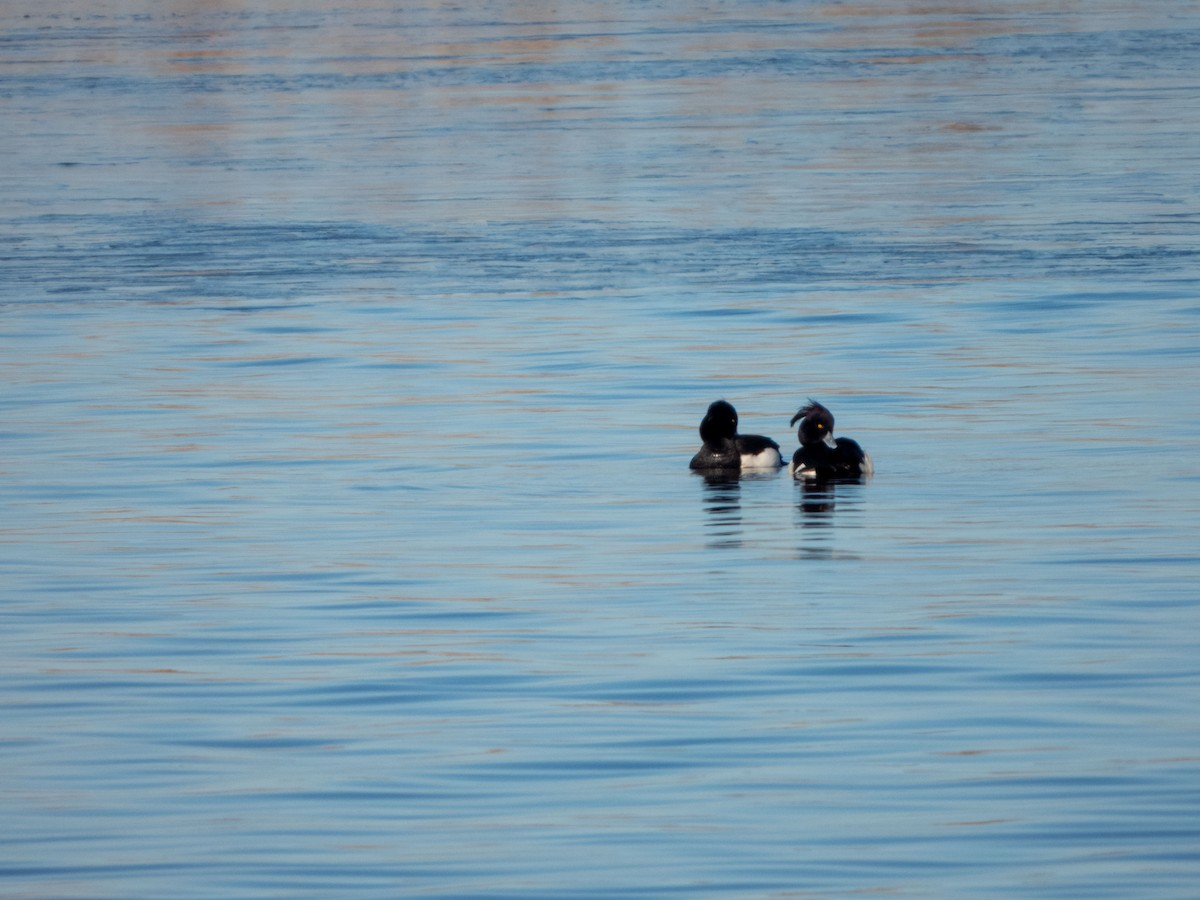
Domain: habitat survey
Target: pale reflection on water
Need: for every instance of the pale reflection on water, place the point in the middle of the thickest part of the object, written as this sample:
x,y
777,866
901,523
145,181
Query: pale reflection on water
x,y
353,358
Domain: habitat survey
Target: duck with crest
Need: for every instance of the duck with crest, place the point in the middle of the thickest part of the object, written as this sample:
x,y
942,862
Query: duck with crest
x,y
821,457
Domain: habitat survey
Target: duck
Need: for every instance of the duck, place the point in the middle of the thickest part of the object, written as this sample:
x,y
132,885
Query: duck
x,y
821,457
724,448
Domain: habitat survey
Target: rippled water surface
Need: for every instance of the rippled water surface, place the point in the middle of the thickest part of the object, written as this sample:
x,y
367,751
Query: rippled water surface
x,y
351,359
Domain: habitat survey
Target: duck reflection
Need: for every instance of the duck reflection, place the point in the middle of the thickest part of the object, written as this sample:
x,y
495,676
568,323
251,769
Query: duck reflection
x,y
816,506
819,498
723,508
816,503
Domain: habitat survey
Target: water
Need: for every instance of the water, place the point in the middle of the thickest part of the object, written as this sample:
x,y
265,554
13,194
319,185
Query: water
x,y
352,358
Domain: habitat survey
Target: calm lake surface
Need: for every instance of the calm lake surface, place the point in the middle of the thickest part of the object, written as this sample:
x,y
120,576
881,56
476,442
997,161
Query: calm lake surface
x,y
351,359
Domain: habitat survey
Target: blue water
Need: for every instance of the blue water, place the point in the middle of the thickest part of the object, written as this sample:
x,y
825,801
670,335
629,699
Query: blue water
x,y
351,360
